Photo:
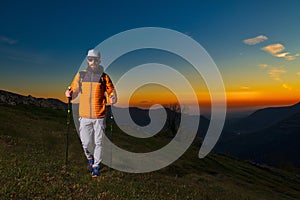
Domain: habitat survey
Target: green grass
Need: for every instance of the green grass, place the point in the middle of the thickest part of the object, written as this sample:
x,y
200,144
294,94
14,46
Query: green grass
x,y
32,165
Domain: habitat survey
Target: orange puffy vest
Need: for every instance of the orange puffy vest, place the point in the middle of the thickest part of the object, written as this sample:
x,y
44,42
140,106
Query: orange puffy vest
x,y
92,87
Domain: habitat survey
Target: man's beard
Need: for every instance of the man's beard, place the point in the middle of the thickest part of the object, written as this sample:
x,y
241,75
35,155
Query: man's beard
x,y
96,69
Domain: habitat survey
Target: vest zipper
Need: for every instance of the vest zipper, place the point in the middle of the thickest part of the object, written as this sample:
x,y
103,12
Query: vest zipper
x,y
91,96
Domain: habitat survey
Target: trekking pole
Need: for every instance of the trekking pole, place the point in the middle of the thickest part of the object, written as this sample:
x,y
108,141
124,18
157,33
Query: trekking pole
x,y
111,135
68,126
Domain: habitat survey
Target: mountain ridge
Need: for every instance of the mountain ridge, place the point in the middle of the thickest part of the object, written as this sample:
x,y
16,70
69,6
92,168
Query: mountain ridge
x,y
275,143
264,118
11,98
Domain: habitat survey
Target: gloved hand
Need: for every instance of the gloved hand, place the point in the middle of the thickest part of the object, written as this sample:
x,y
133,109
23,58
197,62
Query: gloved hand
x,y
68,93
113,98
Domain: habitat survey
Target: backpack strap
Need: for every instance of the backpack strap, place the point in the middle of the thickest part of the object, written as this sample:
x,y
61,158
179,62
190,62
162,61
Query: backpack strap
x,y
102,80
82,74
81,77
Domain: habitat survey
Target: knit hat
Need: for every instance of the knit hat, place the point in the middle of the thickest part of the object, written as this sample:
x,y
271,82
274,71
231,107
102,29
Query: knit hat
x,y
93,53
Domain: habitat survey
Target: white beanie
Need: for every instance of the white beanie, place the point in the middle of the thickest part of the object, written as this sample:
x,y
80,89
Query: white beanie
x,y
93,53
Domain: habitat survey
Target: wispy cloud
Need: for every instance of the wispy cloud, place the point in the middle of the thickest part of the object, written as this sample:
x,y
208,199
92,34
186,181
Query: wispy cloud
x,y
245,88
286,86
7,40
263,65
286,56
15,54
276,73
255,40
145,102
274,48
277,51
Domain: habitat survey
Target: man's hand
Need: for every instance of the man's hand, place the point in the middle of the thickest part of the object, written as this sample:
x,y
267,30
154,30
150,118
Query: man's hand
x,y
68,93
113,98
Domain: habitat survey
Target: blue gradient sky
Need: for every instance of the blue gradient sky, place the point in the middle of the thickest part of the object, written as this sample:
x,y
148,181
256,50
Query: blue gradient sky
x,y
42,43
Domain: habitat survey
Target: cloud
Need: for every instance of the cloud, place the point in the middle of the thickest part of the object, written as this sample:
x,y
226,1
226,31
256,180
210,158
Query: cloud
x,y
145,102
298,73
275,73
263,65
285,55
255,40
245,88
25,56
286,86
276,50
7,40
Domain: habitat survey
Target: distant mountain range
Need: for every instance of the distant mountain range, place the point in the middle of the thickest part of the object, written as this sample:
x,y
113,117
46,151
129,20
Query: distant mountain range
x,y
264,118
15,99
270,135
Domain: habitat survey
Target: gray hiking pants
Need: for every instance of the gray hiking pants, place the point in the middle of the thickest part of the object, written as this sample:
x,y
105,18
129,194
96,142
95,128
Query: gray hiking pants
x,y
91,133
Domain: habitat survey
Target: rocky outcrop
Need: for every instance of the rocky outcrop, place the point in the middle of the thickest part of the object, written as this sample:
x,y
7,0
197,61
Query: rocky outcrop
x,y
15,99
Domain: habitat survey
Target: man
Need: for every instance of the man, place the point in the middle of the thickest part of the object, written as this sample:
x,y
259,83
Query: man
x,y
92,84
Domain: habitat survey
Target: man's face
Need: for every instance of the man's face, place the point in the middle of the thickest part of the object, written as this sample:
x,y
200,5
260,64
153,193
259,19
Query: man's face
x,y
93,62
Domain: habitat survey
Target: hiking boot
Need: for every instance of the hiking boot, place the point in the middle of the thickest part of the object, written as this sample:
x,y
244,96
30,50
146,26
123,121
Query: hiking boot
x,y
96,172
90,164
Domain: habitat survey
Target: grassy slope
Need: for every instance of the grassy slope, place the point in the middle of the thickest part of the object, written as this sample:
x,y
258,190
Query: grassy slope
x,y
32,156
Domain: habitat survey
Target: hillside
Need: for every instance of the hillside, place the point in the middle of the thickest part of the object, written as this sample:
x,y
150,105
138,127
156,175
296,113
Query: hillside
x,y
32,157
277,145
